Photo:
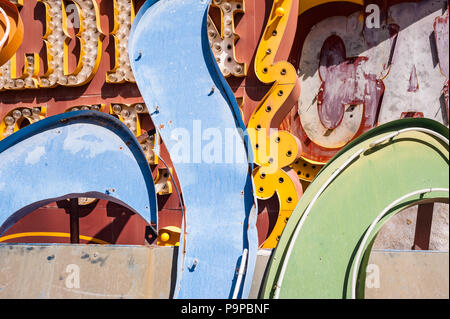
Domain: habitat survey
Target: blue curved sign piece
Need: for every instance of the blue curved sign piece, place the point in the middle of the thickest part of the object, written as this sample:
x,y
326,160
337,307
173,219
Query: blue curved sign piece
x,y
195,111
76,154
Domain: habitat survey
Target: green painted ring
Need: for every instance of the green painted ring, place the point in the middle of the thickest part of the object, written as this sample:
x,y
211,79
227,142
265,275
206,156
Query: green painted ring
x,y
321,260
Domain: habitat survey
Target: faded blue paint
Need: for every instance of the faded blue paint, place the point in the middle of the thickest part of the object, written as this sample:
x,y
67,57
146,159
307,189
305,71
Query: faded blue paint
x,y
175,70
76,154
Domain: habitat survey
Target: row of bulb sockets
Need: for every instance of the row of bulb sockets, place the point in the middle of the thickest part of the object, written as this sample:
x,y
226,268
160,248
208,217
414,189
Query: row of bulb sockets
x,y
26,112
129,115
86,108
20,83
226,6
35,112
222,48
90,37
56,38
123,72
117,109
17,114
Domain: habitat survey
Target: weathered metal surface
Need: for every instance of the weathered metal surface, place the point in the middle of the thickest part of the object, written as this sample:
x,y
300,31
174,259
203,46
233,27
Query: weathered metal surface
x,y
408,275
441,33
372,76
322,255
38,156
349,90
101,93
344,85
417,25
85,272
275,150
213,240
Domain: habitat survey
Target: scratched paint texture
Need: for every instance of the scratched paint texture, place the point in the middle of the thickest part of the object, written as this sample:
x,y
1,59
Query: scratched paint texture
x,y
218,196
342,86
354,78
35,165
416,52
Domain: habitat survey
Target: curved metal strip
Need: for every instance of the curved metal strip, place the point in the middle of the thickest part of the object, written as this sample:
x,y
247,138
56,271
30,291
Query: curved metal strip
x,y
7,26
176,73
9,43
80,154
315,256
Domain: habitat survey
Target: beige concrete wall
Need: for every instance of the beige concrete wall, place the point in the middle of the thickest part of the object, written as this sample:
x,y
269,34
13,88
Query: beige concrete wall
x,y
50,271
137,272
398,233
408,275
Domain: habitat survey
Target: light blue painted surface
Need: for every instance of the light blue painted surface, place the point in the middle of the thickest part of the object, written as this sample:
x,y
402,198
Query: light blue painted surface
x,y
82,154
175,70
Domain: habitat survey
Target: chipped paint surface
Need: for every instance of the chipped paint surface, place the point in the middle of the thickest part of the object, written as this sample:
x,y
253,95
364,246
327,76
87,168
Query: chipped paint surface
x,y
366,77
441,28
415,60
157,38
343,85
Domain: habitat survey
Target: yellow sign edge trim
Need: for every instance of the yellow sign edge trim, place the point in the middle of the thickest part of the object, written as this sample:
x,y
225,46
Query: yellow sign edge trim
x,y
52,234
